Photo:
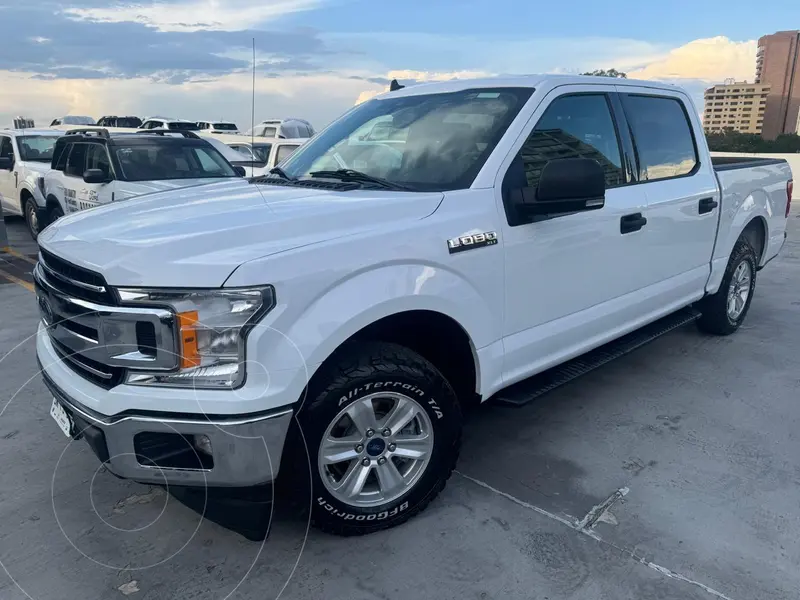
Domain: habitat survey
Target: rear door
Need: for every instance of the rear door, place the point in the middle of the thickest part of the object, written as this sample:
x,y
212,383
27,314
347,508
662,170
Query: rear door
x,y
681,190
8,177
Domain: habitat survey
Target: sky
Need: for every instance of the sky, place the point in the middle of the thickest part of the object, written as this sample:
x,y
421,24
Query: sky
x,y
192,59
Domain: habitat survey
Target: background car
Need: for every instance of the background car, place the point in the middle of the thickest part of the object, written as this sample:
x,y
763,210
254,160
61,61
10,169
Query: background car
x,y
282,128
91,167
114,121
165,123
217,127
72,120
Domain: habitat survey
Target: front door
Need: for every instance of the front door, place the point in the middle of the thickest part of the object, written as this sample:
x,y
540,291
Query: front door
x,y
8,184
571,280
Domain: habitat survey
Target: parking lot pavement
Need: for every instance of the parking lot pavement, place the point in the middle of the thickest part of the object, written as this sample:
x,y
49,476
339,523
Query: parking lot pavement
x,y
671,473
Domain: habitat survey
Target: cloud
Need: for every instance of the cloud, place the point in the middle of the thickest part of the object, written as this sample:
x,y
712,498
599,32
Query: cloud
x,y
226,97
39,40
712,59
194,15
409,77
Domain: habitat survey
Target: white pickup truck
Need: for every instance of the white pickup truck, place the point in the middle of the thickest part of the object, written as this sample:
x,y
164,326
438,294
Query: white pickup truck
x,y
368,291
25,156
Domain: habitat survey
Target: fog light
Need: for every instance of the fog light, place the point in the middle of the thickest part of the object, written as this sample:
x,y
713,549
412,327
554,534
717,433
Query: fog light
x,y
202,444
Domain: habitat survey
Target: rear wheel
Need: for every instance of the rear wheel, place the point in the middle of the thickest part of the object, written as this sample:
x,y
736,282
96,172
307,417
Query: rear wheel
x,y
383,433
724,312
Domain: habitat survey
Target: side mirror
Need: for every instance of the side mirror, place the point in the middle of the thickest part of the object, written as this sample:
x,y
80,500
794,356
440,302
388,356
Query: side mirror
x,y
565,185
94,176
240,170
6,163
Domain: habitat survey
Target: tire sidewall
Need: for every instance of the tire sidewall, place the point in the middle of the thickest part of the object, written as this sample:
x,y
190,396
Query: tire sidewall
x,y
745,254
55,214
31,206
436,399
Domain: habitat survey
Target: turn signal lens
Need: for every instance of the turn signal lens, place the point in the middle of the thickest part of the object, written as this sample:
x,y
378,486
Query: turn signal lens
x,y
187,325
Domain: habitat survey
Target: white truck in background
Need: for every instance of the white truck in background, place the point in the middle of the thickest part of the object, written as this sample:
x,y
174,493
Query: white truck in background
x,y
91,167
337,315
25,156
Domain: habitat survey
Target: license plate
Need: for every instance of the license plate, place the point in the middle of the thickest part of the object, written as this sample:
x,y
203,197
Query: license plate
x,y
61,417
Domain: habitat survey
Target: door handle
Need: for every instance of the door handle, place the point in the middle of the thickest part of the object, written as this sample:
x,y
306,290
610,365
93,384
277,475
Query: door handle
x,y
631,223
707,205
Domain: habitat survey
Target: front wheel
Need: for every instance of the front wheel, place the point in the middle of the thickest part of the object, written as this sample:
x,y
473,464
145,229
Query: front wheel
x,y
55,214
724,312
383,433
32,217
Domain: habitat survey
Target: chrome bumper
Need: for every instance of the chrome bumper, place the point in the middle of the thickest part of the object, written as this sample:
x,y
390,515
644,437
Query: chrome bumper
x,y
246,450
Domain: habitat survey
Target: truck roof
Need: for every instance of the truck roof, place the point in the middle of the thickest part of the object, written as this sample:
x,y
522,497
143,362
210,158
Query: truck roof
x,y
532,81
16,132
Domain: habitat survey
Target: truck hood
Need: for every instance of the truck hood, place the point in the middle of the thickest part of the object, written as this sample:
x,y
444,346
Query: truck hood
x,y
196,237
129,189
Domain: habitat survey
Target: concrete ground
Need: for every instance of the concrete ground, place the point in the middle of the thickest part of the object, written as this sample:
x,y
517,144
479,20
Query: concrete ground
x,y
671,473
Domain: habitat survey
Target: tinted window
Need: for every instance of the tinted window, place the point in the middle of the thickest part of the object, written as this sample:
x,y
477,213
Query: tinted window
x,y
445,141
284,152
662,137
76,163
98,159
37,148
6,149
574,127
129,122
180,126
224,126
153,162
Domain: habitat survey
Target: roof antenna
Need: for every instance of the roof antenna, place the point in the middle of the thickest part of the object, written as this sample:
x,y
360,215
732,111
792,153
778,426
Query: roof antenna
x,y
253,110
394,86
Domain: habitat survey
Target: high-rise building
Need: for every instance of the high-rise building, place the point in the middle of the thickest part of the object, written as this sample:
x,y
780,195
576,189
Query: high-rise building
x,y
735,105
778,65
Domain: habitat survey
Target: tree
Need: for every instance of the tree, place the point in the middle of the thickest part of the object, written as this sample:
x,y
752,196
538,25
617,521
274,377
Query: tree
x,y
607,73
752,143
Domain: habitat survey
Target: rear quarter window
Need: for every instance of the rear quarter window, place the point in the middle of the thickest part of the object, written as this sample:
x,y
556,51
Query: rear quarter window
x,y
662,135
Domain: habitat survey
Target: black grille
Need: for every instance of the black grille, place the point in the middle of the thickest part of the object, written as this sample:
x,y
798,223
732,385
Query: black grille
x,y
98,373
68,278
169,451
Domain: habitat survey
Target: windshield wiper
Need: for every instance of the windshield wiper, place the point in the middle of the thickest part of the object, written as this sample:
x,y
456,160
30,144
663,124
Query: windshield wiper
x,y
358,176
280,173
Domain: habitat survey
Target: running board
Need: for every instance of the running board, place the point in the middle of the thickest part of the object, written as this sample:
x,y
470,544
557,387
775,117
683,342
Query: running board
x,y
529,389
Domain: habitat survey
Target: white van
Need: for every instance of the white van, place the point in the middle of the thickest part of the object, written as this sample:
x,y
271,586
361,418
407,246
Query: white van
x,y
282,128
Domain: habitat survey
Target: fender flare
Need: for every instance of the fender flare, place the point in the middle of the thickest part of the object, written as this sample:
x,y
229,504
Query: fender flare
x,y
304,339
755,206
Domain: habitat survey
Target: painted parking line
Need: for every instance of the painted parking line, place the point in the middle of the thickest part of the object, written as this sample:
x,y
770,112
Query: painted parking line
x,y
9,277
12,252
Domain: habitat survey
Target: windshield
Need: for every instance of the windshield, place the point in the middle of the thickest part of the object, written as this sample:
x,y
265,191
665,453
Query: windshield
x,y
225,126
180,126
432,142
154,162
37,147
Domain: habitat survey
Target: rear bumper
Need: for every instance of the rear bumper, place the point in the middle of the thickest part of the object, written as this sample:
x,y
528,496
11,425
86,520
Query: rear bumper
x,y
158,448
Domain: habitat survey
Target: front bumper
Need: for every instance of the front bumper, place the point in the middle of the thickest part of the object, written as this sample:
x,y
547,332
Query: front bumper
x,y
246,450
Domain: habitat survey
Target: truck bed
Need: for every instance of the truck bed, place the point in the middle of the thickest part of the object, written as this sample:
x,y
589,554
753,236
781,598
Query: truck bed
x,y
728,163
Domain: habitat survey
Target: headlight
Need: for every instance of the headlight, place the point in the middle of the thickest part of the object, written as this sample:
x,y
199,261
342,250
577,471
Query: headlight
x,y
212,328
